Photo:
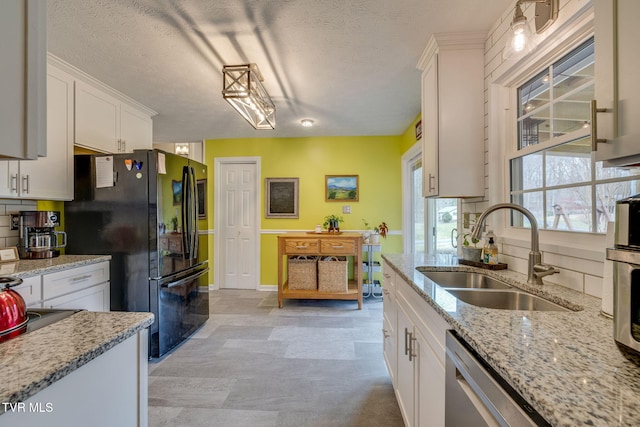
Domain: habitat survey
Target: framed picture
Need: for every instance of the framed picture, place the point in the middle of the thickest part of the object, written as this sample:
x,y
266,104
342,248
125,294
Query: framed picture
x,y
419,130
201,190
281,198
176,187
9,254
341,188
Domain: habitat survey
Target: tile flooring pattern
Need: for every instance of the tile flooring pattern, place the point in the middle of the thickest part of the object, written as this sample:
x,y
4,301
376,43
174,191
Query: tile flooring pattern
x,y
311,363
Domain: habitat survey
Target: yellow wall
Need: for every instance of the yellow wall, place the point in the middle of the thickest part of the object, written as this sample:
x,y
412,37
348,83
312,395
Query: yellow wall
x,y
375,159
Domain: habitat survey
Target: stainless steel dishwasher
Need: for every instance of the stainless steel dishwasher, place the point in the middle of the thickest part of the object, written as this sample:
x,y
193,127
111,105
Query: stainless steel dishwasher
x,y
477,396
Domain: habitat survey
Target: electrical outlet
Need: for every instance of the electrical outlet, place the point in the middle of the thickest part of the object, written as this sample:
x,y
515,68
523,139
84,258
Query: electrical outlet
x,y
346,209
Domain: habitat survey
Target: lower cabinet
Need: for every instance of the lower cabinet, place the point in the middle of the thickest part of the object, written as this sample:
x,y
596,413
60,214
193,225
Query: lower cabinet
x,y
86,287
419,357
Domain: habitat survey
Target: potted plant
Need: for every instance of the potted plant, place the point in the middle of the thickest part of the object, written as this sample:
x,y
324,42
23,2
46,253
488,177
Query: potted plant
x,y
174,223
470,253
381,230
332,223
367,231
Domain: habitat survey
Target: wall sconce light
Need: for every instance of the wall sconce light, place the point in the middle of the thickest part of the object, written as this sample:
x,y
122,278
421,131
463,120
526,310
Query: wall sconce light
x,y
182,149
242,88
520,42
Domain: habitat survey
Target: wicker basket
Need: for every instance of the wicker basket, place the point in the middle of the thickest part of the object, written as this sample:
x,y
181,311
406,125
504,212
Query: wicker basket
x,y
302,273
333,274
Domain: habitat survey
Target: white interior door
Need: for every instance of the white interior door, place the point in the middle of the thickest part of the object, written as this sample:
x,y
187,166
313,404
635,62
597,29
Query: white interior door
x,y
236,234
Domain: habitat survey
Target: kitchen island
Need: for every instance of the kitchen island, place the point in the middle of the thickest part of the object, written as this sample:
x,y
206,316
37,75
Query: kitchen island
x,y
565,364
87,369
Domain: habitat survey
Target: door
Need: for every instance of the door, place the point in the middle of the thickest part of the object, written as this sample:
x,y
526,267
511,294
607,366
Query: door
x,y
237,239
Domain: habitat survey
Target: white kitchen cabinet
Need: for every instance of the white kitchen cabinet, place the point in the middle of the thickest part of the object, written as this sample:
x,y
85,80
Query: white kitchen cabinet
x,y
23,78
389,321
452,67
86,287
110,390
617,87
31,291
105,123
419,357
51,177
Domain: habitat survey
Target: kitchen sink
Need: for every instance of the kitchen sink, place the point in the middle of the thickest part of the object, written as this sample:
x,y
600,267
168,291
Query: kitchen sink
x,y
505,300
464,279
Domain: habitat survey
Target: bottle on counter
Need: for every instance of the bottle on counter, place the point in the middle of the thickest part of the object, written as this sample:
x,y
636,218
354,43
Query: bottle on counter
x,y
490,250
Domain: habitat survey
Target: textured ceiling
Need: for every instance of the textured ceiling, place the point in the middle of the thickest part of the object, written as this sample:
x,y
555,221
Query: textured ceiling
x,y
350,65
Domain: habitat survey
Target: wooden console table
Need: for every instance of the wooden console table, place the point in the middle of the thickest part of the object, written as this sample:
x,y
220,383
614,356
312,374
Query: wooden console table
x,y
325,244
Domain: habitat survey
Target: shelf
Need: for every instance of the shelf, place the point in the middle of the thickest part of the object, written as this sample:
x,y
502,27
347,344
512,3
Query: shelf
x,y
351,294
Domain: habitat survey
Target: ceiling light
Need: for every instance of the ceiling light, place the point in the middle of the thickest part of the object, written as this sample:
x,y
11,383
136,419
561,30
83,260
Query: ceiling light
x,y
242,88
307,123
521,41
182,149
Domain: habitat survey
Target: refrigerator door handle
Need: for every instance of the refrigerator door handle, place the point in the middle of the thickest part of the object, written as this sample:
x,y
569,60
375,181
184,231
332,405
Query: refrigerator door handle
x,y
186,247
185,280
194,215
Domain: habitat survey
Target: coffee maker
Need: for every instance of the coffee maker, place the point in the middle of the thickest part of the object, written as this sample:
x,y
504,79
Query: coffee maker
x,y
38,239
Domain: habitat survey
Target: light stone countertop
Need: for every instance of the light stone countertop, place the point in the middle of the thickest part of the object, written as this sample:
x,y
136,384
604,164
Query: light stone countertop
x,y
31,267
565,364
34,361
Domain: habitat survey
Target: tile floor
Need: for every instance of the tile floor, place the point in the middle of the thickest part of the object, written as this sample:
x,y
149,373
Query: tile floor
x,y
311,363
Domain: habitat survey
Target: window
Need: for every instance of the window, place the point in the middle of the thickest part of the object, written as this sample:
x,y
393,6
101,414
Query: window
x,y
443,218
417,206
553,171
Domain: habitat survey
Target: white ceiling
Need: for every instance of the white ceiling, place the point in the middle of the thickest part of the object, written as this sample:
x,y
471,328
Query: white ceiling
x,y
350,65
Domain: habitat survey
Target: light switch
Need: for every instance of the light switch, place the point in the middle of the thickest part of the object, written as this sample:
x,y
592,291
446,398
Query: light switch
x,y
346,209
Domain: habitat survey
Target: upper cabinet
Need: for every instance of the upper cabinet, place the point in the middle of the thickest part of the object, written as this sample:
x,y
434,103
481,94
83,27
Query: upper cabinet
x,y
23,78
617,34
453,115
51,177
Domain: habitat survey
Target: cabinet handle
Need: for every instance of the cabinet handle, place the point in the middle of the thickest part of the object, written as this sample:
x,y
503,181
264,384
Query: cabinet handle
x,y
432,187
412,354
301,247
385,333
25,183
406,341
14,183
337,246
594,124
80,278
124,146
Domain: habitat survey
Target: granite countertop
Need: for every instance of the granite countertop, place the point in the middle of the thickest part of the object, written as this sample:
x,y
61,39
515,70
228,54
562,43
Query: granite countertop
x,y
31,267
34,361
565,364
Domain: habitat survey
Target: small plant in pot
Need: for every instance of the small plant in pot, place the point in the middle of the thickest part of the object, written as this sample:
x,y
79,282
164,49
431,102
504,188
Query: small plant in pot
x,y
381,230
332,223
367,231
470,253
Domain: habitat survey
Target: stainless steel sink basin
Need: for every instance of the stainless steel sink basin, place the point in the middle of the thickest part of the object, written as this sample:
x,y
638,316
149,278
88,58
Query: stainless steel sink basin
x,y
505,300
464,279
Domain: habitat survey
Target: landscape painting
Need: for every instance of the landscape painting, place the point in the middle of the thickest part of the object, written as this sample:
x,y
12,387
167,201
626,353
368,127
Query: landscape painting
x,y
341,188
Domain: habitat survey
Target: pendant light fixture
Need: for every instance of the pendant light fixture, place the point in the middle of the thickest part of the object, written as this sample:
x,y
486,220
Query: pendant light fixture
x,y
242,88
521,41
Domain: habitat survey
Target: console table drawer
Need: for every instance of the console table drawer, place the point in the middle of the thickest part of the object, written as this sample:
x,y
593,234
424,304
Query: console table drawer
x,y
301,246
338,246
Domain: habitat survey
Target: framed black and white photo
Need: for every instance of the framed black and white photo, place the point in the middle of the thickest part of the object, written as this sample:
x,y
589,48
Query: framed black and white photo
x,y
281,198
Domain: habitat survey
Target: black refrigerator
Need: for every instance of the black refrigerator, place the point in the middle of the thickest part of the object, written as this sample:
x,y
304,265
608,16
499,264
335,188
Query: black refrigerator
x,y
143,209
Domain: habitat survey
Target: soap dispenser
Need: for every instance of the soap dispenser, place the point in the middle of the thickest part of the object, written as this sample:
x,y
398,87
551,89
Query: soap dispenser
x,y
490,251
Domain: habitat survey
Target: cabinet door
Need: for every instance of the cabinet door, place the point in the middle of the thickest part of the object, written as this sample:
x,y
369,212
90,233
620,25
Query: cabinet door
x,y
404,371
30,290
51,177
617,32
430,375
97,118
136,129
389,336
23,78
9,178
430,128
95,298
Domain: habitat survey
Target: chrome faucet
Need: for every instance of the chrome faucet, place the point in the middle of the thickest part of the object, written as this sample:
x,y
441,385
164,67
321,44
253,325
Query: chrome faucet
x,y
537,270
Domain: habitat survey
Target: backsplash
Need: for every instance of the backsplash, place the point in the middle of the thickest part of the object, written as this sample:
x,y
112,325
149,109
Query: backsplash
x,y
8,207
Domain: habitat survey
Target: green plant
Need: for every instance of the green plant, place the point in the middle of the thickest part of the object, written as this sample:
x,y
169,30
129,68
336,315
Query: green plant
x,y
174,222
329,219
382,229
465,241
366,224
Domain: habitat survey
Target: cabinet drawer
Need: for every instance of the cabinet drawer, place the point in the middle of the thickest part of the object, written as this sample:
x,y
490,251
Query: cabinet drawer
x,y
30,290
74,279
338,246
95,298
301,246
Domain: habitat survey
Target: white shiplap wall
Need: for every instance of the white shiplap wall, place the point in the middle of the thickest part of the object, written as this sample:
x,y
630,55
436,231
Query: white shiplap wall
x,y
579,258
